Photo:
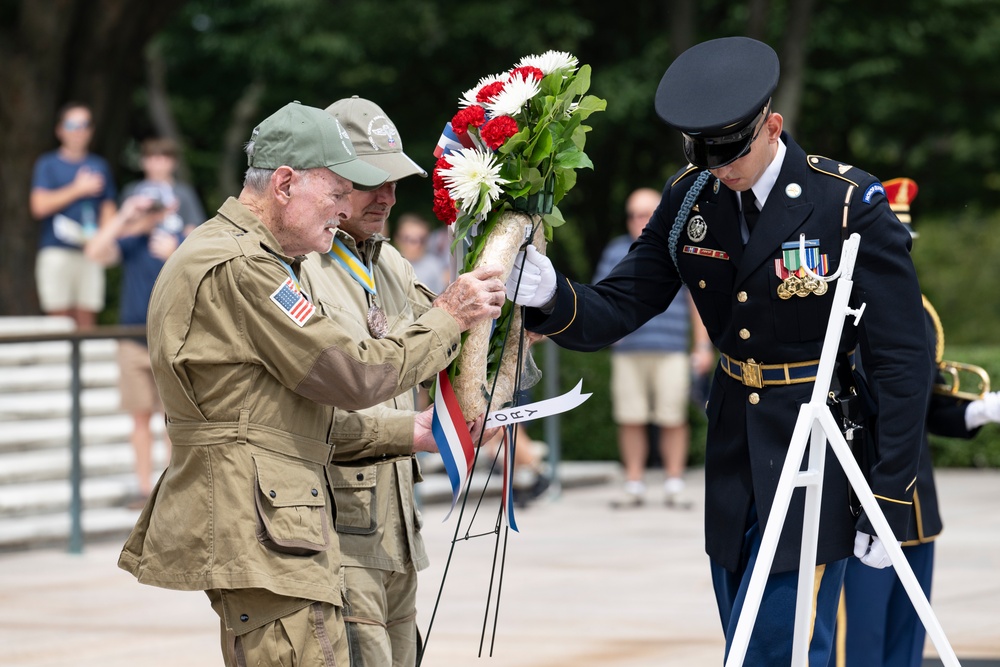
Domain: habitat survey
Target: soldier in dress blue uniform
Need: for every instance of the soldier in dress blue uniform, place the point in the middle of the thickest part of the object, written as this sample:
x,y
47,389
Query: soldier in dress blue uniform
x,y
877,625
728,226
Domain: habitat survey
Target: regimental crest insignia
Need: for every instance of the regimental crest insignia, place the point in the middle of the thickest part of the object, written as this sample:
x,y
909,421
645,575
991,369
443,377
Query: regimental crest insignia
x,y
794,279
697,228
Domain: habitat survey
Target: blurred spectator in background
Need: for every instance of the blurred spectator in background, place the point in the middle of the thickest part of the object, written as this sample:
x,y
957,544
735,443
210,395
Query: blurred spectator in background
x,y
144,233
180,201
72,194
651,374
411,239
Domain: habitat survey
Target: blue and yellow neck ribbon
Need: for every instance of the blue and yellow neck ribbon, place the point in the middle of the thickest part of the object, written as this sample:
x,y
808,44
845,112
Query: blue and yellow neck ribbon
x,y
353,265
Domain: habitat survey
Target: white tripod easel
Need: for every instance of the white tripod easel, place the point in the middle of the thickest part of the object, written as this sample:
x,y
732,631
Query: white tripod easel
x,y
816,426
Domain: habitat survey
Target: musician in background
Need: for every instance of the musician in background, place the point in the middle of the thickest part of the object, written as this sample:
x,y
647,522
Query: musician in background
x,y
877,625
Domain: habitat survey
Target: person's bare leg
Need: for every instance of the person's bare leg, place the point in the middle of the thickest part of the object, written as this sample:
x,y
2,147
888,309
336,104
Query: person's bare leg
x,y
674,443
633,448
142,446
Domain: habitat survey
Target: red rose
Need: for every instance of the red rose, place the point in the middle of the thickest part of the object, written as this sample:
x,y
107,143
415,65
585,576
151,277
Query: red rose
x,y
498,130
444,207
488,92
474,115
528,71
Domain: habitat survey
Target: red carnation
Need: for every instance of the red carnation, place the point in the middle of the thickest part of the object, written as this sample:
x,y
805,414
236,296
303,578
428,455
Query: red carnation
x,y
488,92
444,206
474,115
436,179
527,71
498,130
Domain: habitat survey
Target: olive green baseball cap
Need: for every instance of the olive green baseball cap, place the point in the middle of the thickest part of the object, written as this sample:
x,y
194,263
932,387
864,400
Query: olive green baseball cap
x,y
374,136
304,137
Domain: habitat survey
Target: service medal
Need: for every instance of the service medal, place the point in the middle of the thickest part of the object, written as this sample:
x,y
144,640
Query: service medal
x,y
697,229
378,325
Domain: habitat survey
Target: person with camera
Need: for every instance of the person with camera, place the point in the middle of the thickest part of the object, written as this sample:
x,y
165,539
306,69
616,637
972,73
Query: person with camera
x,y
140,237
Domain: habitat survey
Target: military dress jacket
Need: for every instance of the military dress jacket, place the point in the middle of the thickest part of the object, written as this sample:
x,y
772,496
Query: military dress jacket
x,y
946,418
248,389
374,470
736,291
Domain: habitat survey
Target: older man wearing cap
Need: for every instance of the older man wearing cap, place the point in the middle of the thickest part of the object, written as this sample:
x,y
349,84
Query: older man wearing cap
x,y
249,373
728,227
366,287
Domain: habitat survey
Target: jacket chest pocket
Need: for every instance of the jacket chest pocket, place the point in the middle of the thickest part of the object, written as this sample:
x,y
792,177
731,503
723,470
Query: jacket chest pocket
x,y
292,514
804,314
354,494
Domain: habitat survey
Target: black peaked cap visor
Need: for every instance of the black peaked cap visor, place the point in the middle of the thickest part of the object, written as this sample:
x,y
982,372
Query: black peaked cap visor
x,y
715,152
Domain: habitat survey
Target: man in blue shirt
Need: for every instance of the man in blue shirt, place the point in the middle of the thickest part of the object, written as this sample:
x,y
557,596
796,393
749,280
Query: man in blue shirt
x,y
72,194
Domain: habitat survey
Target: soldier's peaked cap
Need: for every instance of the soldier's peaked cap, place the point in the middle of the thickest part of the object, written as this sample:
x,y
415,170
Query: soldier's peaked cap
x,y
714,94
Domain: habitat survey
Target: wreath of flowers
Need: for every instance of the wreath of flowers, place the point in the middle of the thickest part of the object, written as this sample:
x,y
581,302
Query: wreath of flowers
x,y
514,144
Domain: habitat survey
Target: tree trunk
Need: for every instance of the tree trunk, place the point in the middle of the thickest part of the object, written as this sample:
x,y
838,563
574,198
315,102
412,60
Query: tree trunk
x,y
793,58
55,51
229,180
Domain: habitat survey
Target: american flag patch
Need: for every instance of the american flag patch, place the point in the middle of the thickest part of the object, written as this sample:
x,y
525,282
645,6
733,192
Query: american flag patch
x,y
293,303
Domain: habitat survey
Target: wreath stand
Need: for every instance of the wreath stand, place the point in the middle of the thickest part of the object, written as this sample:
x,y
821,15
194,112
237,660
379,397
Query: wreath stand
x,y
816,426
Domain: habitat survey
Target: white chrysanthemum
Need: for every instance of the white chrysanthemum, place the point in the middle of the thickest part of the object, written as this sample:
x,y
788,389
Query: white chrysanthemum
x,y
550,61
468,98
513,97
469,170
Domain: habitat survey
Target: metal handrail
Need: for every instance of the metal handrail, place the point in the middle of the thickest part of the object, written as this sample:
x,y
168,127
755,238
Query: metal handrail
x,y
76,443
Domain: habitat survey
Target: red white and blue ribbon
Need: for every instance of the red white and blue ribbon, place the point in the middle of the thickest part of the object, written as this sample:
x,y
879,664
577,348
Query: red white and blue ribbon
x,y
452,437
450,141
508,477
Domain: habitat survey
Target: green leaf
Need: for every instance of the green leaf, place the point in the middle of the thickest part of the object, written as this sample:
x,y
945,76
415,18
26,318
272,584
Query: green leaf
x,y
565,179
589,105
573,159
555,218
542,148
582,83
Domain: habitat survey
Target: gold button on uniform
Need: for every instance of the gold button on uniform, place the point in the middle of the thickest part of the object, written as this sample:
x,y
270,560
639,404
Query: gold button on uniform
x,y
741,297
701,284
744,334
754,398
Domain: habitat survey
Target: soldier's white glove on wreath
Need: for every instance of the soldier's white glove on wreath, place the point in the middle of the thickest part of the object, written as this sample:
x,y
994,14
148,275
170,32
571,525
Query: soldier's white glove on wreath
x,y
537,278
983,411
871,551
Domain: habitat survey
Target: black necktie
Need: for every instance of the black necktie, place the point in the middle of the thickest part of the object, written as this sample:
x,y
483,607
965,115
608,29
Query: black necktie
x,y
750,210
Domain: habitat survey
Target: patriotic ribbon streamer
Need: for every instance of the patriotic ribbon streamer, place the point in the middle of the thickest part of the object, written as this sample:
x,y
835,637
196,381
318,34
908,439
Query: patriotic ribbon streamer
x,y
508,478
450,141
452,437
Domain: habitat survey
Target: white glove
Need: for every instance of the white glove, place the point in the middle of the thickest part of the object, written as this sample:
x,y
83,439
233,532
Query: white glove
x,y
983,411
871,551
537,279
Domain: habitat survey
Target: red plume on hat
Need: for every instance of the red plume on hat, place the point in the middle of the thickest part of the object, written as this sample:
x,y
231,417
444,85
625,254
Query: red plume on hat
x,y
900,192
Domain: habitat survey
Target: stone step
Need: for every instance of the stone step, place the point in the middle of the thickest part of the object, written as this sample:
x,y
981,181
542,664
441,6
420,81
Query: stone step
x,y
57,404
54,464
52,497
51,377
13,355
33,434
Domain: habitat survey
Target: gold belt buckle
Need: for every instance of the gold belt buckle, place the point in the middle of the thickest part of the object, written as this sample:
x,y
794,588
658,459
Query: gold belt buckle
x,y
751,372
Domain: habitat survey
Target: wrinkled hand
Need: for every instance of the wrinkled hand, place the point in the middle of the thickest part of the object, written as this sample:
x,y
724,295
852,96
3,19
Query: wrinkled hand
x,y
423,434
532,278
477,433
474,296
871,551
983,411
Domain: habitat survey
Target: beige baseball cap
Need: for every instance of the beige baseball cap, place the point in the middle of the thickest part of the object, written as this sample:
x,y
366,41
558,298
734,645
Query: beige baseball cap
x,y
304,137
374,136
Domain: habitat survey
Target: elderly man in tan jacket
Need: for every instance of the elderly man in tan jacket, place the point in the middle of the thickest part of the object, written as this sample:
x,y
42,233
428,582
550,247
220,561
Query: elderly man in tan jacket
x,y
249,372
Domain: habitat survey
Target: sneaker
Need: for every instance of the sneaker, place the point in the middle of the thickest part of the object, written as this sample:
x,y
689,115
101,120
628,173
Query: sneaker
x,y
675,495
628,500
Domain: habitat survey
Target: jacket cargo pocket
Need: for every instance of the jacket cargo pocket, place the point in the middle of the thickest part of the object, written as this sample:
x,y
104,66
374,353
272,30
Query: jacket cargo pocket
x,y
292,516
354,493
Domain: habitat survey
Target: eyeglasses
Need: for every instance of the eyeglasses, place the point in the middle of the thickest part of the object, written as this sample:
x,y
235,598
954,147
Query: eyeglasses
x,y
72,125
